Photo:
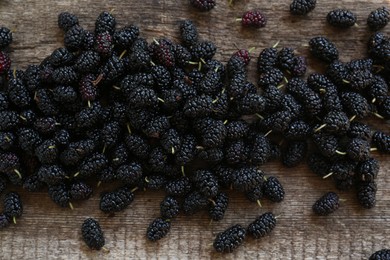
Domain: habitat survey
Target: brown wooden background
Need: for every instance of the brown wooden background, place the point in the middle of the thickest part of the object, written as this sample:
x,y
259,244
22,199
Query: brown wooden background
x,y
47,231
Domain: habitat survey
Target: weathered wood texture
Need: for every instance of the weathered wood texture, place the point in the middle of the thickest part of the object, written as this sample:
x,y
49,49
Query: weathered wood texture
x,y
47,231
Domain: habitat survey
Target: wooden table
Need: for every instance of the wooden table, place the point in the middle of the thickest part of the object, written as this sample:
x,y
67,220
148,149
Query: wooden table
x,y
47,231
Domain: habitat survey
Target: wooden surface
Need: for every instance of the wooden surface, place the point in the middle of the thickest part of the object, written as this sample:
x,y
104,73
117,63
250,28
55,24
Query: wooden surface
x,y
47,231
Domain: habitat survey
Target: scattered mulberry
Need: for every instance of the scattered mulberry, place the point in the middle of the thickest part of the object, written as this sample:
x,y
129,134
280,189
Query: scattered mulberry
x,y
203,5
92,234
367,194
253,18
5,37
341,18
378,18
327,204
67,20
262,226
323,49
13,207
228,240
169,208
273,189
381,141
188,32
218,206
158,229
116,200
368,170
302,7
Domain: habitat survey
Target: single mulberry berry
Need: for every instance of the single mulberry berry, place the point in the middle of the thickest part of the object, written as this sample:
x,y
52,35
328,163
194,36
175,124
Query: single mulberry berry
x,y
88,61
116,200
13,207
80,191
302,7
206,183
178,187
273,189
368,170
341,18
203,5
262,225
381,141
162,51
169,207
228,240
129,173
294,153
342,169
65,75
67,20
203,50
327,204
358,149
125,37
359,130
194,202
318,164
74,38
47,152
92,234
5,37
60,195
188,32
323,49
218,206
253,18
267,59
378,18
105,22
51,174
247,178
158,229
367,194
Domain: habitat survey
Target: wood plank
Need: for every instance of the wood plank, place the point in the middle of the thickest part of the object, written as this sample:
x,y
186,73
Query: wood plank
x,y
47,231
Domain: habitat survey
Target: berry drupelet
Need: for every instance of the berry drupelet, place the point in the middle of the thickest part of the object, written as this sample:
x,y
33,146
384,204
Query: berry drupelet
x,y
92,234
262,225
228,240
327,204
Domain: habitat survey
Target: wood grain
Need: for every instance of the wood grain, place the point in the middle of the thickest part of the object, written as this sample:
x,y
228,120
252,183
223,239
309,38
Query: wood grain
x,y
48,232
